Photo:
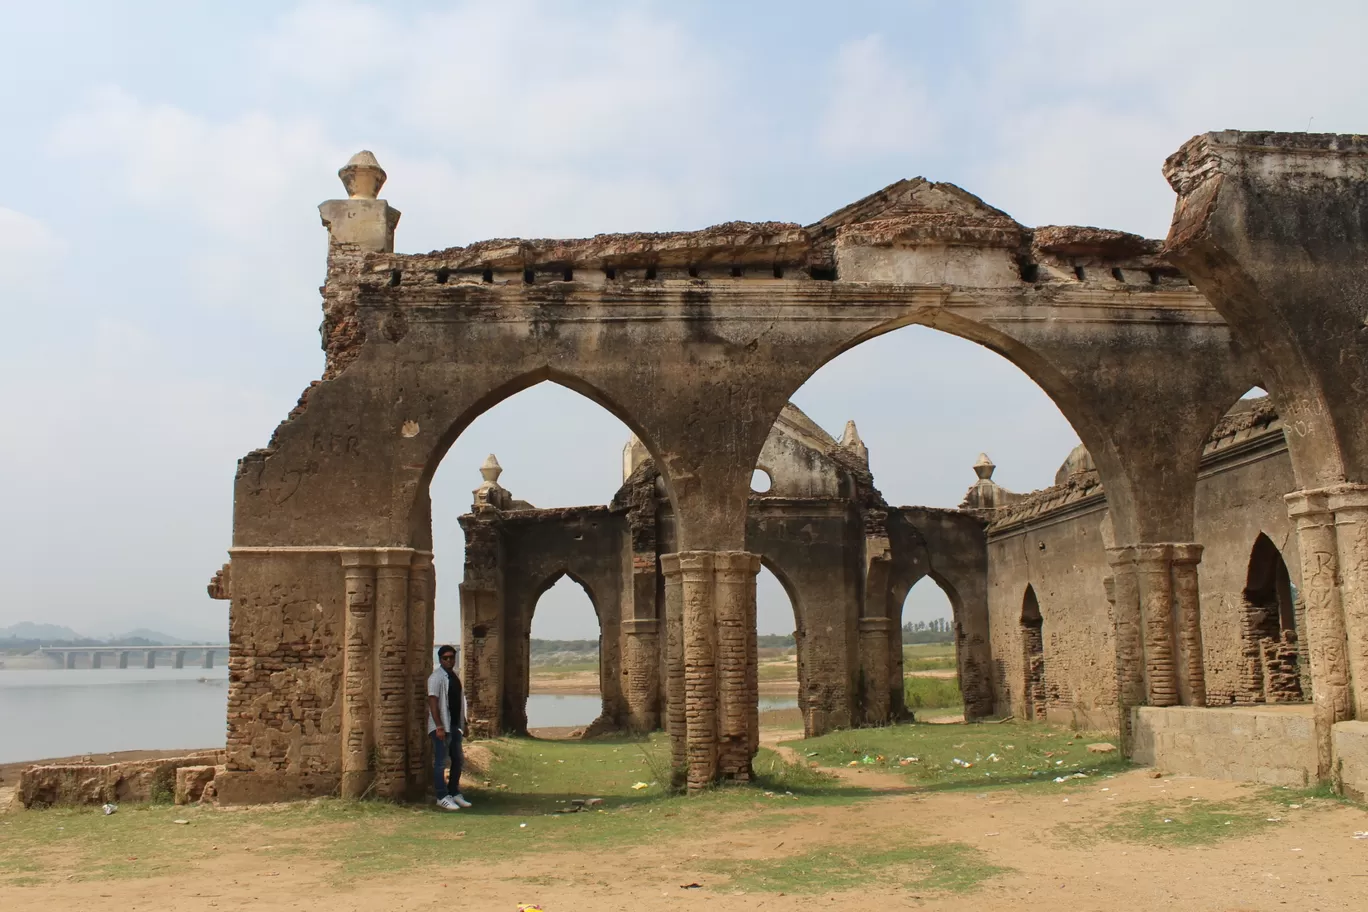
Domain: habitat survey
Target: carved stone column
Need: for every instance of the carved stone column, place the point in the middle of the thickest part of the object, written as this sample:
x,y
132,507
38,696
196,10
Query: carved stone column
x,y
1154,574
641,664
733,594
393,691
1124,595
1187,624
358,671
1349,503
700,668
422,588
674,668
1327,642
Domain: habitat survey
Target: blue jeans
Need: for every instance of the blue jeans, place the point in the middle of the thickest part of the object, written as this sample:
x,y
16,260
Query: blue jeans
x,y
442,752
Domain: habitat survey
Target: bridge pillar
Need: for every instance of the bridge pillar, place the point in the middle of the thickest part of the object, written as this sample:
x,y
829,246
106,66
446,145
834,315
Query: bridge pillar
x,y
179,660
150,658
208,658
123,659
96,659
70,660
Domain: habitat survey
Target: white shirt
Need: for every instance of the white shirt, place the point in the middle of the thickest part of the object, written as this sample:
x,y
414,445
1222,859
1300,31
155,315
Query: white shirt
x,y
439,686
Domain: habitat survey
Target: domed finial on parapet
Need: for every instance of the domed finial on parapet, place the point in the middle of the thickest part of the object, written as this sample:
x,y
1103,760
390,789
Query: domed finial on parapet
x,y
490,470
850,440
985,495
490,495
362,176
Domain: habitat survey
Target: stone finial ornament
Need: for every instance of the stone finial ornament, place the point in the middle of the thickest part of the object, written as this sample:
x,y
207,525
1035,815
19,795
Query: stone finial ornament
x,y
490,470
362,176
490,495
984,467
850,439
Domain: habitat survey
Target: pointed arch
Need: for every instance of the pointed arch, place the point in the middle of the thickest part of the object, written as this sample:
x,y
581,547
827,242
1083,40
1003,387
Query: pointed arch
x,y
1033,655
420,506
1272,659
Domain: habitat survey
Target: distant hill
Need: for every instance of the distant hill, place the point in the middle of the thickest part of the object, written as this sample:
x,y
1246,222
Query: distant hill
x,y
151,637
27,630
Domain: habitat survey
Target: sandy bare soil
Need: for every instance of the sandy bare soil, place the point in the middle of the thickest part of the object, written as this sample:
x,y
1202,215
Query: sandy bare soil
x,y
1310,862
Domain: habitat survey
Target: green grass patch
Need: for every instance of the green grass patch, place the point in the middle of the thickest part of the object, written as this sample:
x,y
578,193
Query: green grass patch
x,y
777,671
929,657
1183,823
942,866
965,755
931,693
561,669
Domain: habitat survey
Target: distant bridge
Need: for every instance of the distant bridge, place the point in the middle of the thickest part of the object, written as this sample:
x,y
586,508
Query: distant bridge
x,y
66,655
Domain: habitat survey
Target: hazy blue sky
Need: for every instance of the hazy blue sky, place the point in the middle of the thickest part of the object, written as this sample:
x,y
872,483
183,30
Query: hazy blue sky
x,y
160,251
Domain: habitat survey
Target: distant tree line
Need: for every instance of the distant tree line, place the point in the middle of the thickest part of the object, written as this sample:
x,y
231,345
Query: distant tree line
x,y
939,630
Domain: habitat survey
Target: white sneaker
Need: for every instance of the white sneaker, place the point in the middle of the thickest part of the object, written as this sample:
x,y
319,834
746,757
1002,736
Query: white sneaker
x,y
447,804
459,801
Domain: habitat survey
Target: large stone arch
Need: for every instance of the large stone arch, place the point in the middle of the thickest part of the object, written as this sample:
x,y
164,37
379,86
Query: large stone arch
x,y
1272,227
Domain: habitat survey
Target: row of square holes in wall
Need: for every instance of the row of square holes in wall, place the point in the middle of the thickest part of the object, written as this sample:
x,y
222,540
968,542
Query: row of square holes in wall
x,y
1030,272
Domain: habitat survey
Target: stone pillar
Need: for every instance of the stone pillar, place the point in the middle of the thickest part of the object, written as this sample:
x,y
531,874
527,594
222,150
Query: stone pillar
x,y
1349,503
1327,641
1187,623
393,691
674,668
733,596
641,664
358,672
482,627
422,590
1153,571
1124,595
700,669
874,670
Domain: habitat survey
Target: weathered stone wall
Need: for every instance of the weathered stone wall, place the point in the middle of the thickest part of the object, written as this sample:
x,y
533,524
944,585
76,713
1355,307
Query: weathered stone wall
x,y
287,628
1273,745
1055,541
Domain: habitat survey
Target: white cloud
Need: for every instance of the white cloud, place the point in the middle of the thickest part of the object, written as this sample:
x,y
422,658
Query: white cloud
x,y
30,254
874,105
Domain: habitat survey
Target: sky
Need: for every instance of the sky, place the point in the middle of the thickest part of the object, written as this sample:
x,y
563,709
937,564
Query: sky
x,y
160,248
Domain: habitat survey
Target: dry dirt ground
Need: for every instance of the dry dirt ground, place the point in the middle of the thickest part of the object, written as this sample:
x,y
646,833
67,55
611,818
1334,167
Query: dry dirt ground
x,y
1308,861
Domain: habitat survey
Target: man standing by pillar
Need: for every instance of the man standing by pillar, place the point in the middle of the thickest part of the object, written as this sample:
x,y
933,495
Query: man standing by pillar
x,y
446,728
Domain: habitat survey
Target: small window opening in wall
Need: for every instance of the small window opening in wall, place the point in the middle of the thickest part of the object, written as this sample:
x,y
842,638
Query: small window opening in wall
x,y
693,272
487,277
479,631
1080,274
529,277
1030,272
761,481
609,273
778,271
736,272
443,275
395,277
650,273
1154,276
822,273
1118,274
568,275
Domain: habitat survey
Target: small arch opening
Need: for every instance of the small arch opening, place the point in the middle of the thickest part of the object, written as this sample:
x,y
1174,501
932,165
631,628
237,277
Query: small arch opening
x,y
487,276
761,482
1080,274
1033,655
1272,660
529,277
443,275
929,654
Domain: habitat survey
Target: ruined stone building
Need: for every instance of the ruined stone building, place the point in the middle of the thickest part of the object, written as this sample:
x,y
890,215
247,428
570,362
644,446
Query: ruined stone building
x,y
845,558
697,340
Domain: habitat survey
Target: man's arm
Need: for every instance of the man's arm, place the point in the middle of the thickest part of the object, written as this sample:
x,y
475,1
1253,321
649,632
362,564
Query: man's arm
x,y
435,709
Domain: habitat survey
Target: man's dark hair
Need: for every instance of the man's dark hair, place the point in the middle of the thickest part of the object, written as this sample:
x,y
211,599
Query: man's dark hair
x,y
445,650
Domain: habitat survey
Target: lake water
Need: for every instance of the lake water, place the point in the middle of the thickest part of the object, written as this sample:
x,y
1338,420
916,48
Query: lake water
x,y
61,713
